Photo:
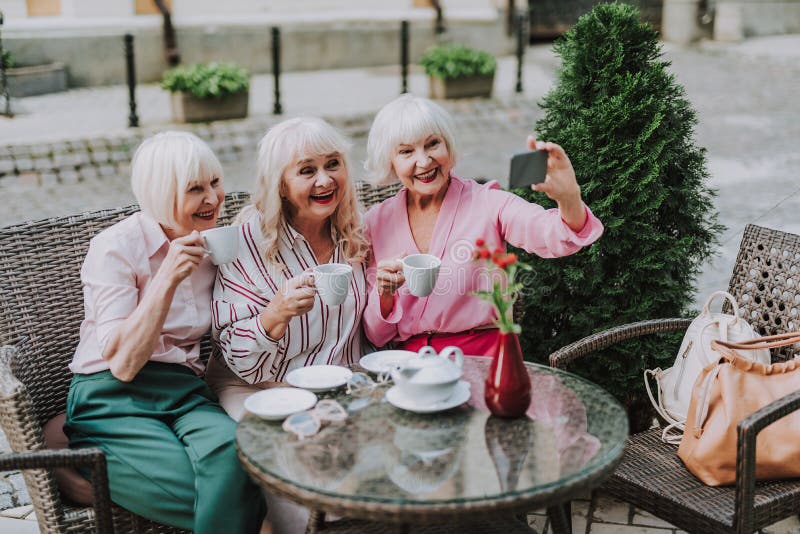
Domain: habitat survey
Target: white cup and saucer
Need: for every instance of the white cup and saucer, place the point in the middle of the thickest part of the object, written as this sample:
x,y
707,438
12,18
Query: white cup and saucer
x,y
221,244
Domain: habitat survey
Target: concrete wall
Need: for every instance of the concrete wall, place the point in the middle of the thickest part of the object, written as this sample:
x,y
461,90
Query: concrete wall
x,y
94,55
734,20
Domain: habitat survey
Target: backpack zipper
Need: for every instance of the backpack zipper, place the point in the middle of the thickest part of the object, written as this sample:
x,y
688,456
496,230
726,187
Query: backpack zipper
x,y
683,367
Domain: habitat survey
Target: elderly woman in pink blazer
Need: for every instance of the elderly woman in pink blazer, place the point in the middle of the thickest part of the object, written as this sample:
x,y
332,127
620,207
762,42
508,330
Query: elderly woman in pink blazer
x,y
438,213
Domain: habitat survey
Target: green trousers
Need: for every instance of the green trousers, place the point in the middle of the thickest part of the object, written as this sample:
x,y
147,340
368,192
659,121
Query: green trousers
x,y
169,448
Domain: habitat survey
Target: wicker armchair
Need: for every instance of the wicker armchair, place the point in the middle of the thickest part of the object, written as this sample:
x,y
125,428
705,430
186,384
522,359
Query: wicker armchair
x,y
651,476
41,308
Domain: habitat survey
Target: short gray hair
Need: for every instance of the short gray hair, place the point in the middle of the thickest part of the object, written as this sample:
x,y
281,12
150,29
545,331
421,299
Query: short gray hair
x,y
406,119
163,167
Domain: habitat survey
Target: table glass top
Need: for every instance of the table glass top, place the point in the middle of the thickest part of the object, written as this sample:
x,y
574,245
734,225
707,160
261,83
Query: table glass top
x,y
384,454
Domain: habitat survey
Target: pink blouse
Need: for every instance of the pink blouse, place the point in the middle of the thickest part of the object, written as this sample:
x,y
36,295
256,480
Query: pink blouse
x,y
469,211
116,273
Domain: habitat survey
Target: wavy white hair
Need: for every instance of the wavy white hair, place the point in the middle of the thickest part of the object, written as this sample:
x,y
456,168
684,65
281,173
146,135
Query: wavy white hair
x,y
285,143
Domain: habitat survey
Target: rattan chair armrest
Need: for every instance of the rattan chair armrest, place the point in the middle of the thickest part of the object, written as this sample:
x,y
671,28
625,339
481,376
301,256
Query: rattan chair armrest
x,y
9,384
747,430
566,355
92,458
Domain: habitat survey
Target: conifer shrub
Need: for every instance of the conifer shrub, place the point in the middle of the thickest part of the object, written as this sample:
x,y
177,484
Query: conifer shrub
x,y
628,129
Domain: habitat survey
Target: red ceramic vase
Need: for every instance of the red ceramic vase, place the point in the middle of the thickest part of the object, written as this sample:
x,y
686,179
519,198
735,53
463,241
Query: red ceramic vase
x,y
508,386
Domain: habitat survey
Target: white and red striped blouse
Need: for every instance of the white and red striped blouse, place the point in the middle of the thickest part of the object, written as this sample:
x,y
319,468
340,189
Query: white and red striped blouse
x,y
244,287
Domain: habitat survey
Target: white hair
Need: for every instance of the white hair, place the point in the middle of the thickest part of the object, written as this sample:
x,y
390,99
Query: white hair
x,y
163,167
405,120
285,143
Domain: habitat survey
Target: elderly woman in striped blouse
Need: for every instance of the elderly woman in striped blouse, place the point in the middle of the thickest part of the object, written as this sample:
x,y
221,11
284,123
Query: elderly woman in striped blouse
x,y
267,315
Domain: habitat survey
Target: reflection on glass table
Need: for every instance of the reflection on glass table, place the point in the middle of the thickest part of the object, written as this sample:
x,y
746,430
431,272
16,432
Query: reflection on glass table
x,y
387,465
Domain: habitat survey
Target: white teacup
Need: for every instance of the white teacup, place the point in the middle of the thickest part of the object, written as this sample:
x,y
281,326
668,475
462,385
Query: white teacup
x,y
333,282
221,244
421,271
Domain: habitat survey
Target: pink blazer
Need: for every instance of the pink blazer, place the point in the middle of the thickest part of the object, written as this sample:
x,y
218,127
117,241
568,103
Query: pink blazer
x,y
469,211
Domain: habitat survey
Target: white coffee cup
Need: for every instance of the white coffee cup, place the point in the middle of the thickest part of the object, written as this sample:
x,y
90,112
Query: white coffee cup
x,y
221,244
421,271
333,282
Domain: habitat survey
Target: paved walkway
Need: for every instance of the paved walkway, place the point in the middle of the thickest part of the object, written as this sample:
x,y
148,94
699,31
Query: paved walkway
x,y
749,120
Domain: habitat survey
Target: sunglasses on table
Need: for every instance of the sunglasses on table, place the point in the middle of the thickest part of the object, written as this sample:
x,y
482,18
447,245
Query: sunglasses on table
x,y
361,384
309,422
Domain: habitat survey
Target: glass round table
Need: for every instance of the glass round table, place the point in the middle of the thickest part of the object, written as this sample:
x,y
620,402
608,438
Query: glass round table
x,y
388,465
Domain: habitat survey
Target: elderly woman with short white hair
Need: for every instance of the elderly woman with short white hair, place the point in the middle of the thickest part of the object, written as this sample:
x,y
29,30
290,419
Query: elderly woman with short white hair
x,y
136,392
413,140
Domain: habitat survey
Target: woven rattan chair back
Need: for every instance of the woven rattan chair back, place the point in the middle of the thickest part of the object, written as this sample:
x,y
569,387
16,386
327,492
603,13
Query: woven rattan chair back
x,y
766,283
41,309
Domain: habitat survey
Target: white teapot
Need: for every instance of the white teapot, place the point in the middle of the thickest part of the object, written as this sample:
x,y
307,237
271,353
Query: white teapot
x,y
429,377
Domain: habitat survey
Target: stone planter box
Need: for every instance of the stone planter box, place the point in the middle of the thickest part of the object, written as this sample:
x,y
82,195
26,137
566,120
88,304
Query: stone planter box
x,y
36,80
188,108
465,87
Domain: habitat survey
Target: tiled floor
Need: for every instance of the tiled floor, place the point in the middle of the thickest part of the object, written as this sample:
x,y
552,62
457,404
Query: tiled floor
x,y
603,515
20,520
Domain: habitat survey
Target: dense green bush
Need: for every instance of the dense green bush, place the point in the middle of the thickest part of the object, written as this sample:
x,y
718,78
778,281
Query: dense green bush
x,y
628,129
207,80
456,61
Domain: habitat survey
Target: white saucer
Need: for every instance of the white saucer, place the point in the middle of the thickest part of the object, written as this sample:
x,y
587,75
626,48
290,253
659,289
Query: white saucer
x,y
383,360
460,395
319,377
277,403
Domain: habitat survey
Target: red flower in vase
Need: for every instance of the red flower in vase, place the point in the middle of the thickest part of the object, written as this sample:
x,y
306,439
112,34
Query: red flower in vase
x,y
503,295
507,389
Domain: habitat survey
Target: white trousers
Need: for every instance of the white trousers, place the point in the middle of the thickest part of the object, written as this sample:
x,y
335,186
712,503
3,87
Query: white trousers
x,y
284,516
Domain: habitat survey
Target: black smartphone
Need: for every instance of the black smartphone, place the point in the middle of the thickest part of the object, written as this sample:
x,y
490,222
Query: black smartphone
x,y
528,168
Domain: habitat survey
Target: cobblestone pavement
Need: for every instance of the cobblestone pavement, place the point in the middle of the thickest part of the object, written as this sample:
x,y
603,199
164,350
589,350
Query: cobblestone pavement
x,y
749,121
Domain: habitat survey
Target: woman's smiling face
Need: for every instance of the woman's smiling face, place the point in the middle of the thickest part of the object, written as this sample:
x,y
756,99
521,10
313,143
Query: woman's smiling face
x,y
313,186
423,166
199,207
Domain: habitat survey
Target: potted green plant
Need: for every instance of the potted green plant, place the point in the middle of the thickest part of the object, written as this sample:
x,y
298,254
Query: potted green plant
x,y
205,92
457,71
30,80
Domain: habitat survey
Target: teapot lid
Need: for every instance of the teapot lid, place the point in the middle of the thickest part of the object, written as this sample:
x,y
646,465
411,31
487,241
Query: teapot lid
x,y
434,368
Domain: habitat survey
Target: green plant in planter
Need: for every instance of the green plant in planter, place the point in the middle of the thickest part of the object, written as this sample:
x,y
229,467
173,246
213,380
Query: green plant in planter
x,y
629,132
207,80
207,91
451,61
8,59
456,71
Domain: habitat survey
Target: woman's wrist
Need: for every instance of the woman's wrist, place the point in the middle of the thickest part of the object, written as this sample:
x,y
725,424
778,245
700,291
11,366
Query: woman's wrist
x,y
387,303
273,322
165,281
573,213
